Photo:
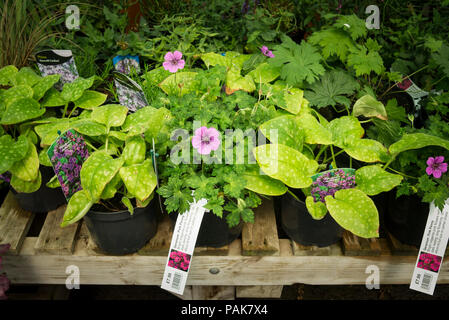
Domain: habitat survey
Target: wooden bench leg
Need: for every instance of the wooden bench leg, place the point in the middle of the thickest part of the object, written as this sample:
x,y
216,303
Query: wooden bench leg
x,y
258,291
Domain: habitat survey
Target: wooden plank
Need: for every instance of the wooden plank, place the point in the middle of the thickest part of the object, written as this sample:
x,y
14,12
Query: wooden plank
x,y
213,293
234,270
398,248
56,240
205,251
356,246
160,243
258,292
14,223
300,250
261,237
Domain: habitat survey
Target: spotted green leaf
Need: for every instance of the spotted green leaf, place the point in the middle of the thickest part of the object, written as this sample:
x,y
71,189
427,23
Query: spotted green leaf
x,y
7,74
78,206
265,73
12,151
374,180
235,81
345,129
316,209
44,84
315,132
368,106
90,99
26,76
286,164
16,93
43,158
26,186
128,204
22,110
145,119
52,98
263,184
367,150
140,179
284,130
111,115
72,91
48,132
112,187
417,141
179,83
53,183
354,211
27,169
134,151
88,127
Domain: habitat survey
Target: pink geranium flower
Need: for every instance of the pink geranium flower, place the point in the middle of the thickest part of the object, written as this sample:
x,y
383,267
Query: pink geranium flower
x,y
173,61
205,140
267,52
436,166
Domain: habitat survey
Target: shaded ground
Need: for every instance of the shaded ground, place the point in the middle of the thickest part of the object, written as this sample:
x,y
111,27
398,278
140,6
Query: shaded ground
x,y
294,292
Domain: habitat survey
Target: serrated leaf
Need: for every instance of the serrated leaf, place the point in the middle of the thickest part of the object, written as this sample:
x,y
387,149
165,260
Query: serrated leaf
x,y
316,209
365,62
442,58
333,41
374,180
22,110
90,99
353,25
78,206
369,107
140,179
355,211
286,164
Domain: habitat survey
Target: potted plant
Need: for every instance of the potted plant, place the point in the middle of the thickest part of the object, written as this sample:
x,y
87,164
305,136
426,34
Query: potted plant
x,y
118,179
29,106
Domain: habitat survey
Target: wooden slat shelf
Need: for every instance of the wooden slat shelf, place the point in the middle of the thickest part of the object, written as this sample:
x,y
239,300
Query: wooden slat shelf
x,y
257,265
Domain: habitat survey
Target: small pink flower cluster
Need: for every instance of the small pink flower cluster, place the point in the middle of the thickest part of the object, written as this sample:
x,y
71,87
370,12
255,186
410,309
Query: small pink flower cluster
x,y
429,262
179,260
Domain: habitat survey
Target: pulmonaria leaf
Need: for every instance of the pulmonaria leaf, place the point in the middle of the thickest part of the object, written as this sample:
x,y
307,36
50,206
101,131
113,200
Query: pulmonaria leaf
x,y
333,42
316,209
345,129
12,151
88,127
27,169
90,99
26,186
298,63
369,107
140,179
315,132
111,115
285,131
52,98
264,73
374,180
44,84
112,187
286,164
235,81
179,83
134,151
146,120
364,62
16,93
7,75
26,76
22,110
366,150
290,99
78,206
72,91
417,141
354,211
44,160
263,184
48,132
331,89
127,202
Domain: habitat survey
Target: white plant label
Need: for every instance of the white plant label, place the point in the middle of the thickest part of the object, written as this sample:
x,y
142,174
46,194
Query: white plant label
x,y
431,252
182,246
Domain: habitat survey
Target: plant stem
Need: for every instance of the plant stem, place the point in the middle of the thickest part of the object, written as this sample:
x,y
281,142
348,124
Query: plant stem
x,y
323,148
402,174
338,153
65,109
333,156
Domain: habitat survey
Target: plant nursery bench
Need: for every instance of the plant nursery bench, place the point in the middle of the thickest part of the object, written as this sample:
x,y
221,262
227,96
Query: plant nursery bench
x,y
256,266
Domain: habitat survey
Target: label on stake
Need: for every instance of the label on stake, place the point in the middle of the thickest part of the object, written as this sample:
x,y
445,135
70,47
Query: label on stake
x,y
182,246
431,252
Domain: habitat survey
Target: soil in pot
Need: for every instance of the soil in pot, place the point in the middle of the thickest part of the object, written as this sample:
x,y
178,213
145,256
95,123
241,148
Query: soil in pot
x,y
43,200
214,231
119,232
406,218
299,225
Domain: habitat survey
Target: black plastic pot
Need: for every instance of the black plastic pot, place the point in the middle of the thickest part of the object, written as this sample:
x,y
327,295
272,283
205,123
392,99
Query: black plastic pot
x,y
120,233
406,218
3,192
214,231
299,225
43,200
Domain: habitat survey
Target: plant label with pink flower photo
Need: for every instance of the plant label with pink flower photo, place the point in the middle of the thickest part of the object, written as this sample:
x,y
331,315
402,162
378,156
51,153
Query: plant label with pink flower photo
x,y
67,154
182,246
57,62
431,253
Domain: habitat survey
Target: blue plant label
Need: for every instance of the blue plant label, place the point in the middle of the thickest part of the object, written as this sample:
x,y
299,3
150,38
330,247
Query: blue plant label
x,y
130,94
67,154
125,64
57,62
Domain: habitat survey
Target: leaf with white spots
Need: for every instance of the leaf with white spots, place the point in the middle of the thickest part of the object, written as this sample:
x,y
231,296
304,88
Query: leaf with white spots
x,y
12,151
128,204
286,164
44,84
315,132
140,179
88,127
369,107
374,180
316,209
345,130
367,150
353,210
16,93
52,98
90,99
78,206
43,158
285,130
48,132
26,76
7,74
112,187
72,91
417,141
27,169
145,119
134,151
22,110
263,184
111,115
26,186
265,73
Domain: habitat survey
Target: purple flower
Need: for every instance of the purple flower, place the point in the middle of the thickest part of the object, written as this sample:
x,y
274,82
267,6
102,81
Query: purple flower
x,y
436,166
267,52
173,61
205,140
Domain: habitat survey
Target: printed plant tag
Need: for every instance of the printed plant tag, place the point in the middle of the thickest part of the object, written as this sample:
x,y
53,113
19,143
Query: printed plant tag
x,y
125,64
182,246
67,154
431,252
130,94
413,90
57,62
